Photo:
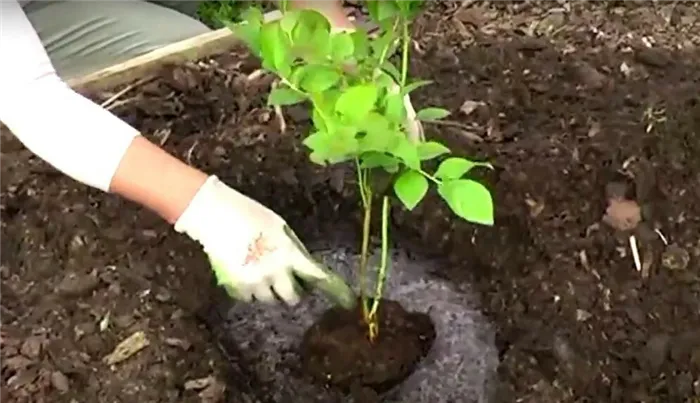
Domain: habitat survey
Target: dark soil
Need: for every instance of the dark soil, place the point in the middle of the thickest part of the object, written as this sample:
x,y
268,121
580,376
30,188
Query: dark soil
x,y
566,99
336,350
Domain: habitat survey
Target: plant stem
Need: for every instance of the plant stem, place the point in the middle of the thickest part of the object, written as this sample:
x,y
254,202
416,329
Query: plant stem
x,y
384,265
361,182
385,52
430,177
406,39
364,253
372,320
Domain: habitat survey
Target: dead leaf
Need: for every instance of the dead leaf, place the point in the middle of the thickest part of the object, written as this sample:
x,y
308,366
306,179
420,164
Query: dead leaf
x,y
214,393
622,214
200,383
473,16
594,130
493,131
127,348
536,207
469,106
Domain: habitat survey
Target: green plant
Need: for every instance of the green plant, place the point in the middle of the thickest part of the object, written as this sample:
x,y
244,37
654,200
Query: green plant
x,y
215,14
356,95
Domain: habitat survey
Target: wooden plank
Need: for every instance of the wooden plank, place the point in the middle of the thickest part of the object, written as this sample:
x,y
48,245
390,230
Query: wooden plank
x,y
198,47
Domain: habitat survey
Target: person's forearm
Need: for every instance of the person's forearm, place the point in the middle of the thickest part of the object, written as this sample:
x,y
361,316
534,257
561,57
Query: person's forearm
x,y
77,136
155,179
333,10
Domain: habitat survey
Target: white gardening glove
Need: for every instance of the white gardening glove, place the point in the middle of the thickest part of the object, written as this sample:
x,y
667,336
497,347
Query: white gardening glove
x,y
253,252
414,127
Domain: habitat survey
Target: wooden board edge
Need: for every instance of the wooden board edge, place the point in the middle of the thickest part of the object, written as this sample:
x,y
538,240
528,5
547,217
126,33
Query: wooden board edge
x,y
198,47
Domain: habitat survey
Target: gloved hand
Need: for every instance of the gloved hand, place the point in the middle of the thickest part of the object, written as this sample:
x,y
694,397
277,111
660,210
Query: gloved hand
x,y
252,250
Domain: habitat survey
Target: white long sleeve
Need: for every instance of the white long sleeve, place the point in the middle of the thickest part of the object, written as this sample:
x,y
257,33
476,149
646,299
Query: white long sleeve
x,y
70,132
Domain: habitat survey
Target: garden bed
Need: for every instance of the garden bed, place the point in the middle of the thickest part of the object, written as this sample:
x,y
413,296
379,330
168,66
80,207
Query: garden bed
x,y
562,117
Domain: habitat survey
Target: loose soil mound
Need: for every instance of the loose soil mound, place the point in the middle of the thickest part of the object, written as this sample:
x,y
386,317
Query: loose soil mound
x,y
336,349
564,99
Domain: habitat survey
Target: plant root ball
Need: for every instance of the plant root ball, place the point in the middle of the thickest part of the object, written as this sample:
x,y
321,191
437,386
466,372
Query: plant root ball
x,y
336,349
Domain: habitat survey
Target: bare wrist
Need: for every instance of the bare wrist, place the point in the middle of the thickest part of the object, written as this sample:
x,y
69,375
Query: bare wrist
x,y
148,175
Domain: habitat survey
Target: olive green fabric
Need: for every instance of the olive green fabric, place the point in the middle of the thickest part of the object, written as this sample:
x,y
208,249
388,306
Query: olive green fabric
x,y
82,37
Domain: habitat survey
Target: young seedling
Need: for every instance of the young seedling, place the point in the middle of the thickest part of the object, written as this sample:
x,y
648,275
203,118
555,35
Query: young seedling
x,y
356,96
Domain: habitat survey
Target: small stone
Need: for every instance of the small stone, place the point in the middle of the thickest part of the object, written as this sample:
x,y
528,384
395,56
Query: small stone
x,y
76,243
675,258
163,296
60,381
582,315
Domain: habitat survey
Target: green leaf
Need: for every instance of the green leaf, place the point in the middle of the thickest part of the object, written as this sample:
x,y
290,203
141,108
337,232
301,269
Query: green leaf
x,y
317,158
376,133
249,29
407,152
332,147
357,101
342,46
456,167
410,188
289,21
283,96
310,23
317,78
275,51
429,114
381,10
384,45
375,159
383,80
343,145
318,141
414,86
317,119
431,149
468,199
392,71
395,109
360,44
311,36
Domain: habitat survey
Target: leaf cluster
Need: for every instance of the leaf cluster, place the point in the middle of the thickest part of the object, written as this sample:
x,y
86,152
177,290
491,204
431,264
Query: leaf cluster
x,y
358,100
